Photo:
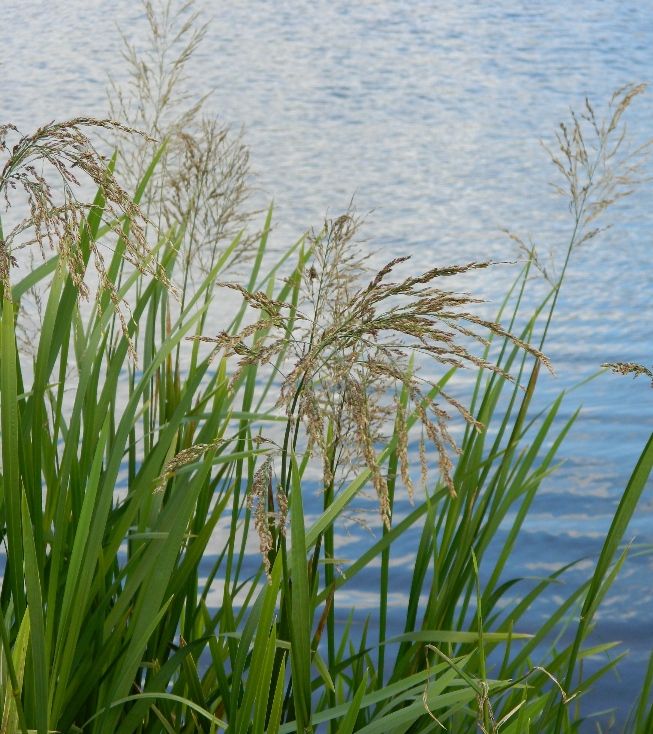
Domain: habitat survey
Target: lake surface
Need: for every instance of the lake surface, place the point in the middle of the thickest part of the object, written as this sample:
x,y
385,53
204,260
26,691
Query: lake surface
x,y
431,113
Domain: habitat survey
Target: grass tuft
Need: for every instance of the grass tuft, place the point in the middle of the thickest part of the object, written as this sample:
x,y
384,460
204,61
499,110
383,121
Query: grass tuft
x,y
168,568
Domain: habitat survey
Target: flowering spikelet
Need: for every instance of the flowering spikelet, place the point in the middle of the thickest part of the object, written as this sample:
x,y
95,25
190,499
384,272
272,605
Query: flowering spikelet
x,y
7,261
402,448
183,458
630,368
260,502
361,417
282,514
309,412
257,500
439,436
422,461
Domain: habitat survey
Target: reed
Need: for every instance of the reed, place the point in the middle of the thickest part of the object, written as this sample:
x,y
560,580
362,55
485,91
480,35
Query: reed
x,y
144,432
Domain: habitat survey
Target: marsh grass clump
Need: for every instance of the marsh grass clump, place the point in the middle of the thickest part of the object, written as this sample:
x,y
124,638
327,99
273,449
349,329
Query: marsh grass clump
x,y
128,496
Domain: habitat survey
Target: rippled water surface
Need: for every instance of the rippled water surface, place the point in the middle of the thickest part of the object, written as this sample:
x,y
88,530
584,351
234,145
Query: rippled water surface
x,y
431,113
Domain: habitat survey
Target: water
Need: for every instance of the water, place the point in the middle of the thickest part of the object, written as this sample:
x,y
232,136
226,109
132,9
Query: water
x,y
432,114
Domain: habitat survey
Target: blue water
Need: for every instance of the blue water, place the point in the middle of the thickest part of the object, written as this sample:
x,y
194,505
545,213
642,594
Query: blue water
x,y
432,113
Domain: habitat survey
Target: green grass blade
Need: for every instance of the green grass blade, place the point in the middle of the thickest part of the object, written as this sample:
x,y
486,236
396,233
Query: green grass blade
x,y
441,673
264,685
37,626
456,637
622,517
13,714
158,684
131,662
10,453
300,624
260,651
261,250
323,670
33,278
163,697
277,703
348,723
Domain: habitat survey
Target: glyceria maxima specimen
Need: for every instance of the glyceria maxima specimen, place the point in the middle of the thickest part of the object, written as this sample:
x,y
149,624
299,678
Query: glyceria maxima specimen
x,y
107,614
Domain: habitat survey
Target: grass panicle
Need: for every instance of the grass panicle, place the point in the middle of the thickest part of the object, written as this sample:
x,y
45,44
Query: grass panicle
x,y
204,177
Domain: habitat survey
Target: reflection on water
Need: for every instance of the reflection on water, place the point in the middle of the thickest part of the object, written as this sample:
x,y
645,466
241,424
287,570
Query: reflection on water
x,y
432,115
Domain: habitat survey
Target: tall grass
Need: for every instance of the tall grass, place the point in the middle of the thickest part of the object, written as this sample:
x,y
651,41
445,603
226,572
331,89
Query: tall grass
x,y
129,446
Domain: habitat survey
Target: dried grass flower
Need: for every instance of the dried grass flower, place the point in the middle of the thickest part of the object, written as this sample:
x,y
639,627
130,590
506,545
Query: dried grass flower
x,y
630,368
49,168
347,348
203,177
260,502
183,458
598,167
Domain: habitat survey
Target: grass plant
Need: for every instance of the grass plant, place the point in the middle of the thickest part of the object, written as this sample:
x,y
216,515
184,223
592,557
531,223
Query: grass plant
x,y
136,436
